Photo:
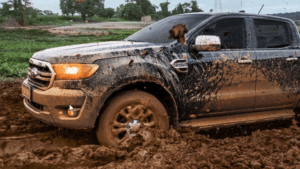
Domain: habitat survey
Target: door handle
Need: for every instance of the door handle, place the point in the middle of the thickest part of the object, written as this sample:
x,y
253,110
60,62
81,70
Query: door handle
x,y
245,61
291,59
180,65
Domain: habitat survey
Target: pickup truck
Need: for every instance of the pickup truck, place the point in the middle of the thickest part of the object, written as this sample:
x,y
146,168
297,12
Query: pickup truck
x,y
228,69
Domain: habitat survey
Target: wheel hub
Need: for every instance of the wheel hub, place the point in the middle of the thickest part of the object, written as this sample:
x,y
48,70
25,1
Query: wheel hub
x,y
133,126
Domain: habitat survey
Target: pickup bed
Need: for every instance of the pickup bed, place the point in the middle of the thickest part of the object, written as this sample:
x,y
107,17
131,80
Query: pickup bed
x,y
222,69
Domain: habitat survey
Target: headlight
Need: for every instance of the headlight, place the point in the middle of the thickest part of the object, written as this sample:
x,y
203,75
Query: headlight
x,y
74,71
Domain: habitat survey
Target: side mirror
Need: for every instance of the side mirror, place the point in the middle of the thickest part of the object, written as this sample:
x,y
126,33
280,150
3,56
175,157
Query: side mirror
x,y
207,43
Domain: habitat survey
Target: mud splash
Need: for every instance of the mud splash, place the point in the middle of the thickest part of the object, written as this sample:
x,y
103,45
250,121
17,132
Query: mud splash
x,y
28,143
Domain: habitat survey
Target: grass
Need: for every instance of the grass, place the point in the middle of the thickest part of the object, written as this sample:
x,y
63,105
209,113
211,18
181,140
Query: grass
x,y
18,45
51,20
100,19
65,21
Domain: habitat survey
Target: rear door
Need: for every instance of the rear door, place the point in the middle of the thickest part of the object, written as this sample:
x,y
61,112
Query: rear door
x,y
277,64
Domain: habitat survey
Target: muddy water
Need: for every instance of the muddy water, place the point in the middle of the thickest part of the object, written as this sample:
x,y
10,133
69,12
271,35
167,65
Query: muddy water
x,y
28,143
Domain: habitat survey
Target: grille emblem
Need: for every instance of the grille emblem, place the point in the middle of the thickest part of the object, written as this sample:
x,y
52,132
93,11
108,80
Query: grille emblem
x,y
34,72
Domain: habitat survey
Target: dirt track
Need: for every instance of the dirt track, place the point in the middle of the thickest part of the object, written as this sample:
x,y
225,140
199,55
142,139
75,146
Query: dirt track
x,y
28,143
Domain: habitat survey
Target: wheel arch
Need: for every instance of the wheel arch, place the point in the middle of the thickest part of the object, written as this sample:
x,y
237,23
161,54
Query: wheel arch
x,y
158,90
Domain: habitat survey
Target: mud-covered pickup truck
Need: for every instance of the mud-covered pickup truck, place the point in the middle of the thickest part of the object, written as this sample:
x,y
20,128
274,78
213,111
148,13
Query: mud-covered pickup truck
x,y
198,70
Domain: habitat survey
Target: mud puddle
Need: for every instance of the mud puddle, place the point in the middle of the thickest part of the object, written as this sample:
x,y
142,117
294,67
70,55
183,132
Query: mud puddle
x,y
28,143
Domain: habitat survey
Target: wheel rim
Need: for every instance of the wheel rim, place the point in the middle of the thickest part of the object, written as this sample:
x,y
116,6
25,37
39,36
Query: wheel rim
x,y
130,120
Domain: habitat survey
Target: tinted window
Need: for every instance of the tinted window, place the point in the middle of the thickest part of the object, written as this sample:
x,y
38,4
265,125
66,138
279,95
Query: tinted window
x,y
271,34
158,32
232,33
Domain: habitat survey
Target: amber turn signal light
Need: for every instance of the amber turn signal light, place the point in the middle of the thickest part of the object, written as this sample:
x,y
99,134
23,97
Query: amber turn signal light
x,y
74,71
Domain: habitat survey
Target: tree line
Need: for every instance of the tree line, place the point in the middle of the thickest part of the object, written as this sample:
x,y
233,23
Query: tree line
x,y
132,10
23,11
135,9
86,8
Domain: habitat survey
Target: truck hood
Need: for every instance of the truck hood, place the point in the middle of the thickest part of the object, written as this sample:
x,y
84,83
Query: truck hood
x,y
88,53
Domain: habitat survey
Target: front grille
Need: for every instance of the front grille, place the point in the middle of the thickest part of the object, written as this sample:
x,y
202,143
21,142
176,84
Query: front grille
x,y
36,105
40,74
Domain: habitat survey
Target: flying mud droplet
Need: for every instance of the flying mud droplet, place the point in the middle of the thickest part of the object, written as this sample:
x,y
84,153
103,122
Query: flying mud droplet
x,y
185,56
192,116
177,32
130,63
78,55
145,52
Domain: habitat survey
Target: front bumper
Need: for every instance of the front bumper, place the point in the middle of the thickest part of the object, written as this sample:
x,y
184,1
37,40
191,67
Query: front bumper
x,y
51,106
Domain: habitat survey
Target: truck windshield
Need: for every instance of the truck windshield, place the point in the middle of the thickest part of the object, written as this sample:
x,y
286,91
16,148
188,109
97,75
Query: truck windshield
x,y
158,32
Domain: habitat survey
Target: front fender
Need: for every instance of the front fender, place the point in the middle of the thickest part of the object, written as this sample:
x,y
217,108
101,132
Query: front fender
x,y
116,73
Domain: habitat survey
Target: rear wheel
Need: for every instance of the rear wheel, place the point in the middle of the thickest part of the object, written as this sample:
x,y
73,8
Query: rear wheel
x,y
128,114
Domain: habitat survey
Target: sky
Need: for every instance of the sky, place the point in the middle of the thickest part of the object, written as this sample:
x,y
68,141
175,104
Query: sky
x,y
250,6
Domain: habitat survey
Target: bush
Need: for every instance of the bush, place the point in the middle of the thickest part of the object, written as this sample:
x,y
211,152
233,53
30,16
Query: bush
x,y
132,12
52,20
29,15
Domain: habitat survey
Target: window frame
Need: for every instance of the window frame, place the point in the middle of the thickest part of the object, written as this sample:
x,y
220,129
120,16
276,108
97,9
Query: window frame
x,y
249,43
254,37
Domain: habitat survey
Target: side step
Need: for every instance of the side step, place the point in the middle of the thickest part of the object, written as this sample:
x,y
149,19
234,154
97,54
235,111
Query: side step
x,y
238,119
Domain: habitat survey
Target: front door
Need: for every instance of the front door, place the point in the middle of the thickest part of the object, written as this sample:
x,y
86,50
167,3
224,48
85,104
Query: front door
x,y
225,79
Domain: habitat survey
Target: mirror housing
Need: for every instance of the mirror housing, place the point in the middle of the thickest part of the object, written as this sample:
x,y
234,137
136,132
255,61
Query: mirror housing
x,y
207,43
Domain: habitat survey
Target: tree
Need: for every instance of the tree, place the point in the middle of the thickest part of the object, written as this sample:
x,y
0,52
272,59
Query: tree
x,y
178,9
118,13
48,12
29,14
186,7
195,7
146,6
18,10
67,7
132,12
6,9
109,12
39,12
89,8
165,9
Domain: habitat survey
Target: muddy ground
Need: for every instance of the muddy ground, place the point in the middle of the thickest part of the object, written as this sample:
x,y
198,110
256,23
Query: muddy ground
x,y
28,143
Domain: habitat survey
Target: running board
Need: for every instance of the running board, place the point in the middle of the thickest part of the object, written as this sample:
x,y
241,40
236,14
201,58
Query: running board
x,y
238,119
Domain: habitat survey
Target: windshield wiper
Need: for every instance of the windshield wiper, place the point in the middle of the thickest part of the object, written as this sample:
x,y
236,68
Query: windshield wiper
x,y
135,41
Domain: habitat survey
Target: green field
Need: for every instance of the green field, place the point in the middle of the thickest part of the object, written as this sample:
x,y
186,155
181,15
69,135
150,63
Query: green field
x,y
64,21
18,45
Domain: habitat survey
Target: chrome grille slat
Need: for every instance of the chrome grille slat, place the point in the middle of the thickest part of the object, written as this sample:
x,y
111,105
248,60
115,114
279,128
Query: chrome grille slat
x,y
33,82
40,74
40,78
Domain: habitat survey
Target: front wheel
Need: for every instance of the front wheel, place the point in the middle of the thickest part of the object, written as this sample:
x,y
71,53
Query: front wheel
x,y
128,114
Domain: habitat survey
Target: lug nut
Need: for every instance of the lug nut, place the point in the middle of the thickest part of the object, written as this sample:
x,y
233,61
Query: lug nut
x,y
131,132
138,121
128,127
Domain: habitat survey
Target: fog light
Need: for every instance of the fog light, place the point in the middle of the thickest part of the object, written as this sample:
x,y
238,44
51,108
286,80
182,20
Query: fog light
x,y
73,112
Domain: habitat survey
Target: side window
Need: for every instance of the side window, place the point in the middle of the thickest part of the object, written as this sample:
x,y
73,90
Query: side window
x,y
232,33
271,34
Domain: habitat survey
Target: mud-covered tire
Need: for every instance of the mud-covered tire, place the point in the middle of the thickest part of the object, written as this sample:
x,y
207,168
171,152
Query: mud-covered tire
x,y
127,114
